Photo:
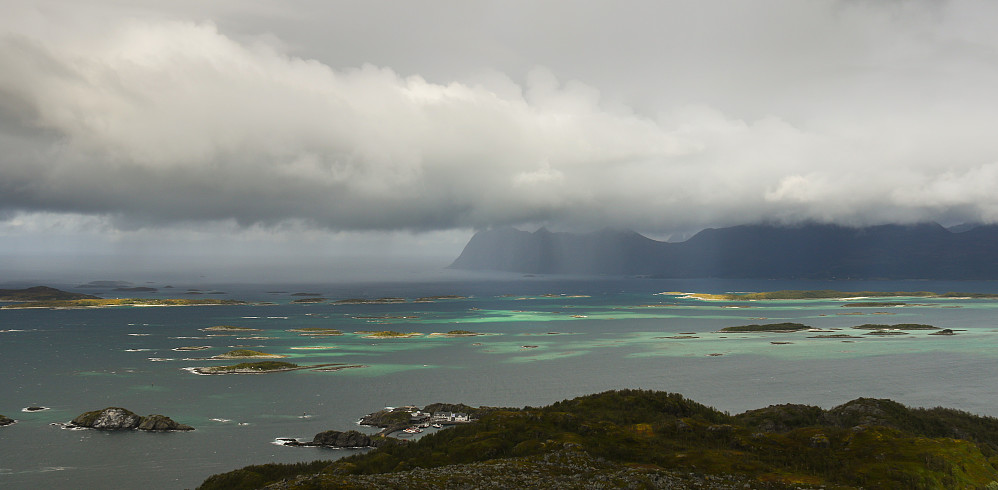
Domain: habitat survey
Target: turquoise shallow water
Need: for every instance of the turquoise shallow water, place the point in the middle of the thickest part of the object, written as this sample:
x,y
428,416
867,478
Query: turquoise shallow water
x,y
547,340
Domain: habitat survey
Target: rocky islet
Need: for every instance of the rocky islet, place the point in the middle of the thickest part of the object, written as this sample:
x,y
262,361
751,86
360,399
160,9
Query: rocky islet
x,y
117,418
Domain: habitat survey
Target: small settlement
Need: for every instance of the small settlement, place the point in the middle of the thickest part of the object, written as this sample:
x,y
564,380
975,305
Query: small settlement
x,y
412,419
421,420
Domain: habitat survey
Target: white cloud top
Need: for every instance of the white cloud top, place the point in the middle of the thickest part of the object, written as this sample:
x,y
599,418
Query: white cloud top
x,y
655,116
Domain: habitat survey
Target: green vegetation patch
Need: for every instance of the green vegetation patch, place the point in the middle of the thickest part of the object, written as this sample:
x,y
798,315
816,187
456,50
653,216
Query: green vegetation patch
x,y
258,476
769,327
865,443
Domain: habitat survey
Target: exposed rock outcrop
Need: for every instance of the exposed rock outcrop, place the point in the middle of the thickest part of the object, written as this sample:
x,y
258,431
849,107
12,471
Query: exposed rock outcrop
x,y
116,418
349,438
335,438
5,420
161,422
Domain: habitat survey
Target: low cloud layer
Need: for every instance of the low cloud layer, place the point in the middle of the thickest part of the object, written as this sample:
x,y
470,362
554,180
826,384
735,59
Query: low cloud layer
x,y
852,112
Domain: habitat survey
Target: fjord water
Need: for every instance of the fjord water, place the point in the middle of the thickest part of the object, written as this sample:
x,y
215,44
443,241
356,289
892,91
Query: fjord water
x,y
547,340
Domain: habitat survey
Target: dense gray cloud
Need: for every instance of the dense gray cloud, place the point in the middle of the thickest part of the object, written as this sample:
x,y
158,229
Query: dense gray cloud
x,y
421,116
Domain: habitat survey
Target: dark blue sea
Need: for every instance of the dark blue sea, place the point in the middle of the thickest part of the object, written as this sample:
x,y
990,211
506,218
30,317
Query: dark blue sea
x,y
544,340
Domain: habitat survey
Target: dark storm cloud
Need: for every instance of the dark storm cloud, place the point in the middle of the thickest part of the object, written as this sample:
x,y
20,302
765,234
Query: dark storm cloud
x,y
440,115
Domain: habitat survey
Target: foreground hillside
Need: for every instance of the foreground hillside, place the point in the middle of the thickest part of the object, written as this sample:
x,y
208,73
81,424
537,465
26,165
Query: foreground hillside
x,y
647,439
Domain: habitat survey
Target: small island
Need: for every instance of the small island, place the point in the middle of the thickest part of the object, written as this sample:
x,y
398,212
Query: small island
x,y
133,302
117,418
362,301
247,354
388,334
456,333
315,331
229,328
308,300
384,317
263,367
5,421
769,327
431,299
896,326
248,368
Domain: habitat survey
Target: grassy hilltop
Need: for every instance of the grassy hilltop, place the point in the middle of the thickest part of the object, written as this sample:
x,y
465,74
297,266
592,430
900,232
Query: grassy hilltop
x,y
648,439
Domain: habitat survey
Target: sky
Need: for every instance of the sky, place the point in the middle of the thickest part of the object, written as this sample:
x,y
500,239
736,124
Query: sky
x,y
190,133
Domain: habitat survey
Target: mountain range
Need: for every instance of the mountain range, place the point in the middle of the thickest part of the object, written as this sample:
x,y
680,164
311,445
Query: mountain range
x,y
808,251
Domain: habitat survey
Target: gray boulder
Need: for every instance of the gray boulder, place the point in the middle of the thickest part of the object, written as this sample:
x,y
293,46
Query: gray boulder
x,y
111,418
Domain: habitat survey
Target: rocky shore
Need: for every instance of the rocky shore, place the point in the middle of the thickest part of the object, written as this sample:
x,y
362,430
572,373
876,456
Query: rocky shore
x,y
337,439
